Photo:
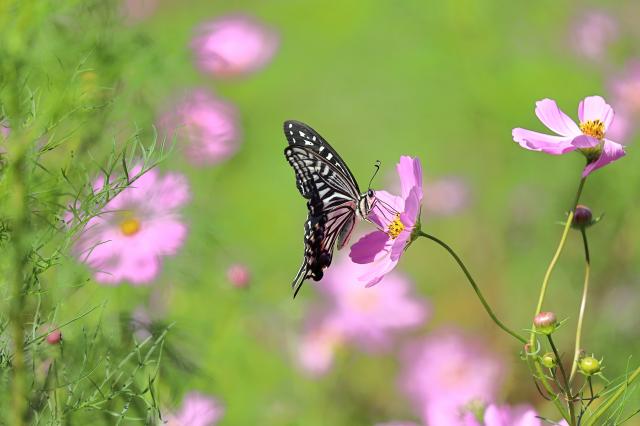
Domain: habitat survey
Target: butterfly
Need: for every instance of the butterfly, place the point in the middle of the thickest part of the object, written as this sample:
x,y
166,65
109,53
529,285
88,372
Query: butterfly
x,y
333,198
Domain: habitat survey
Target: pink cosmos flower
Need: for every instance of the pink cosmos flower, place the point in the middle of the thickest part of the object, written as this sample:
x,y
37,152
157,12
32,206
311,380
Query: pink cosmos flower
x,y
4,130
197,410
239,275
317,348
592,34
494,415
370,316
447,196
588,137
233,45
396,217
445,373
127,240
209,127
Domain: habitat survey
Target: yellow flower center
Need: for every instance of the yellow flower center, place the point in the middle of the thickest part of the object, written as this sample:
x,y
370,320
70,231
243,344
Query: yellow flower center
x,y
130,226
593,128
395,227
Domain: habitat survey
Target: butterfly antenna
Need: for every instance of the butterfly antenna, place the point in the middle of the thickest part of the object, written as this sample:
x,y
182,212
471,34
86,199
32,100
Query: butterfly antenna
x,y
377,167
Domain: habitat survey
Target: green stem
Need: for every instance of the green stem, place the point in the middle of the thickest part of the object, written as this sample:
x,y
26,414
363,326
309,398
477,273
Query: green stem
x,y
567,386
556,256
606,405
474,285
583,303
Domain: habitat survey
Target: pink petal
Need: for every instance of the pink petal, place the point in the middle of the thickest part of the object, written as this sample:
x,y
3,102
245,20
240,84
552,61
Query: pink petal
x,y
595,108
399,245
410,173
366,248
534,141
382,265
411,208
163,236
381,214
584,141
552,116
611,151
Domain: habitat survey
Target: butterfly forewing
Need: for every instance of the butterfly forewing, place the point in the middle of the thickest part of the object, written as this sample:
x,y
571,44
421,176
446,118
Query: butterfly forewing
x,y
326,182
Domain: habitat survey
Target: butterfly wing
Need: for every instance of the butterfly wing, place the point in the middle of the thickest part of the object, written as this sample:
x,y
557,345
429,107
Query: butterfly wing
x,y
332,193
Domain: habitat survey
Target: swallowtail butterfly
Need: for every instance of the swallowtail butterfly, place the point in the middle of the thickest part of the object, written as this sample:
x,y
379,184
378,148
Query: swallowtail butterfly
x,y
333,198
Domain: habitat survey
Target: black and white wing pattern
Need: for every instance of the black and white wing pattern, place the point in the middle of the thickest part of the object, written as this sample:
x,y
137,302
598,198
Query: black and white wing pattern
x,y
323,178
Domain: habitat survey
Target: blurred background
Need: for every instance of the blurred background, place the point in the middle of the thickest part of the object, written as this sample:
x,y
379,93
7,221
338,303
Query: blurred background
x,y
442,81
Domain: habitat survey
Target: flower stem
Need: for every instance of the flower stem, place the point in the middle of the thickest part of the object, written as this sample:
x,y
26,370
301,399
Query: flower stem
x,y
565,379
583,304
474,285
609,402
556,256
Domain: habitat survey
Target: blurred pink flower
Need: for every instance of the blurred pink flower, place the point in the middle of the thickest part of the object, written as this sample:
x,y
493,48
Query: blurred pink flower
x,y
209,127
445,373
138,10
504,415
238,275
396,218
233,45
135,229
397,424
316,349
370,316
588,137
625,89
4,130
447,196
592,33
197,410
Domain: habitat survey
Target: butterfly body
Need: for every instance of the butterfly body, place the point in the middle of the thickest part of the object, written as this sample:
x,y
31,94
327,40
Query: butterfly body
x,y
333,198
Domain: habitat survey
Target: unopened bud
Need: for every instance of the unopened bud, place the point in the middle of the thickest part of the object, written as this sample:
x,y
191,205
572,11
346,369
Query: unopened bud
x,y
589,366
239,275
582,217
54,337
545,322
549,360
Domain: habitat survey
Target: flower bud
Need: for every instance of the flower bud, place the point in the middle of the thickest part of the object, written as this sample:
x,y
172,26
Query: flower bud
x,y
582,217
549,360
545,322
238,275
589,366
54,337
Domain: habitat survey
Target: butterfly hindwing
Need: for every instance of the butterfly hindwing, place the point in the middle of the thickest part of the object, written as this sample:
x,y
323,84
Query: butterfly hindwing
x,y
326,182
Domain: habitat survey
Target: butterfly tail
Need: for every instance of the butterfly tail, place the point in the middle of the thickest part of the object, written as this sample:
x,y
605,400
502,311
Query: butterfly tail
x,y
296,285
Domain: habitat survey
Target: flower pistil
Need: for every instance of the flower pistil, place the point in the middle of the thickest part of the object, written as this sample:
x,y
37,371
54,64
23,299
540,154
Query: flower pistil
x,y
593,128
130,226
395,227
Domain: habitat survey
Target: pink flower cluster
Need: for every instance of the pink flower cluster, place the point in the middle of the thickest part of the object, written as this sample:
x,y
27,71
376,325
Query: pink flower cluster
x,y
368,317
136,228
